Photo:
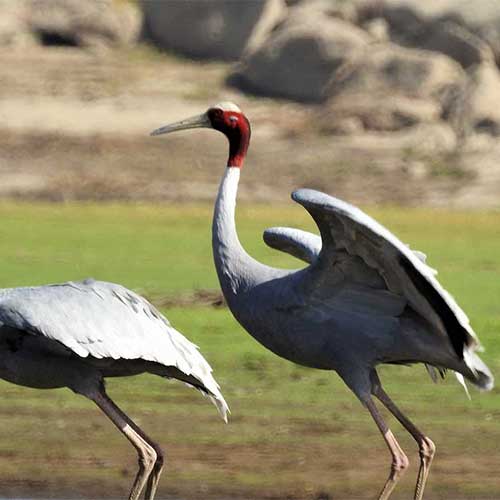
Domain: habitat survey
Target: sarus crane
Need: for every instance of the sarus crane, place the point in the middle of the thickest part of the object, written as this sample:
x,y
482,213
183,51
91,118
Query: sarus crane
x,y
364,299
76,334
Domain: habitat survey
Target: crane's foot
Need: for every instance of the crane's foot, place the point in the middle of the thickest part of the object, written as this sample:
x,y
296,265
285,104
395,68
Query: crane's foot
x,y
400,464
427,450
147,460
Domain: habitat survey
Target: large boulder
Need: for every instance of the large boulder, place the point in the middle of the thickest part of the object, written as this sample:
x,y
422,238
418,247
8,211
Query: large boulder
x,y
413,21
397,70
456,41
301,55
68,22
209,29
389,88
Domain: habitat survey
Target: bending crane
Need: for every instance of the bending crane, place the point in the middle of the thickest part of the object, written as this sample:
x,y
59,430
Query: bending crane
x,y
76,334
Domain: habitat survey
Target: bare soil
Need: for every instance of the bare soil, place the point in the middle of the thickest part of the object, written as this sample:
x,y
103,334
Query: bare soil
x,y
75,125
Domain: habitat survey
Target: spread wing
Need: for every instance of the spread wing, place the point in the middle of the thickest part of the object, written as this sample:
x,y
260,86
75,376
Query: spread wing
x,y
304,245
300,244
105,320
372,252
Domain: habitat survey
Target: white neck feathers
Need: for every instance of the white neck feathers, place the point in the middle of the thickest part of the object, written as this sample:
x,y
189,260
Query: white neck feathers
x,y
224,233
231,260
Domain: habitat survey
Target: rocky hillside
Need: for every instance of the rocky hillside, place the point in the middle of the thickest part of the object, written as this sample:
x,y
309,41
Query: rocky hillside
x,y
376,101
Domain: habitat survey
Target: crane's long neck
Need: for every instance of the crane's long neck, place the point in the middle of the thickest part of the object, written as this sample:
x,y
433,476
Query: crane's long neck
x,y
235,268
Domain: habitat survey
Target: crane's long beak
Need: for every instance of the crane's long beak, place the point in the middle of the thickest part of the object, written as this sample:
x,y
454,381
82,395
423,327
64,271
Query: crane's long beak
x,y
200,121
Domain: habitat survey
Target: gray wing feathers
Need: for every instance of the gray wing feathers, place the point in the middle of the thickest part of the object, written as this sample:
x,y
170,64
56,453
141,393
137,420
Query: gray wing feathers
x,y
102,320
307,246
301,244
365,292
344,227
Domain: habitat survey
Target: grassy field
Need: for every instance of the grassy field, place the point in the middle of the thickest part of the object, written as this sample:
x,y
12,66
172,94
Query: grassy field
x,y
294,433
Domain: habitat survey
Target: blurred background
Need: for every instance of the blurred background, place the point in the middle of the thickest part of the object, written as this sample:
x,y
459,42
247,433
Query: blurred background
x,y
393,105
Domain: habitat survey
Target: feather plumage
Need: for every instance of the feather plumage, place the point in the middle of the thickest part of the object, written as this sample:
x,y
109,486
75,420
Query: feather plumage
x,y
105,320
345,228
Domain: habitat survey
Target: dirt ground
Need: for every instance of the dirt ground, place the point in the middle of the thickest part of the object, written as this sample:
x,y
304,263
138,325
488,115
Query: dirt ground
x,y
75,125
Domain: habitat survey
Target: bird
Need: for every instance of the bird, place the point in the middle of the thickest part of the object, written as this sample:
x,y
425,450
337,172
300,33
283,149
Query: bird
x,y
75,334
363,299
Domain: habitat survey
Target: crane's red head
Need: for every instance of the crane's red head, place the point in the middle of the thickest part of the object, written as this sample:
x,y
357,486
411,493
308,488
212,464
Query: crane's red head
x,y
225,117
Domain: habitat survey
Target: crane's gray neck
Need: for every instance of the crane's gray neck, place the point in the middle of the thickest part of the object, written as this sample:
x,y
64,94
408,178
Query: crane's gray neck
x,y
235,268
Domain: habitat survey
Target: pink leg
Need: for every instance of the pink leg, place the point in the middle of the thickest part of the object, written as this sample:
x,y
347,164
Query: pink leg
x,y
426,447
149,465
399,460
154,476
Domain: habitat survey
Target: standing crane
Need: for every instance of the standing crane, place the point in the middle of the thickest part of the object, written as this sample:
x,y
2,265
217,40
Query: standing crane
x,y
364,299
75,334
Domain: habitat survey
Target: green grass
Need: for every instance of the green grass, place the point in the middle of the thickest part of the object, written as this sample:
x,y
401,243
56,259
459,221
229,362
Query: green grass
x,y
293,432
144,247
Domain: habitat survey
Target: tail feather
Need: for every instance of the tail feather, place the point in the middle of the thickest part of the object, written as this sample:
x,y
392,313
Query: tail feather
x,y
477,372
461,381
208,386
471,368
221,405
215,397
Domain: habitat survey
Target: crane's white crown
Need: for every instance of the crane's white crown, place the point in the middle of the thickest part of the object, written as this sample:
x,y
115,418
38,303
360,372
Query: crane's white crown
x,y
228,106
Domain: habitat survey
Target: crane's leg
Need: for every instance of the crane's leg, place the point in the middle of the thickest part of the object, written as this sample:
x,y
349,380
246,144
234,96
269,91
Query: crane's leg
x,y
147,451
426,447
154,476
399,459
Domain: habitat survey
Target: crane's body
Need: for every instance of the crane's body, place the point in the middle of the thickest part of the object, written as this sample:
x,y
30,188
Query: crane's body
x,y
348,310
76,334
325,334
97,328
364,299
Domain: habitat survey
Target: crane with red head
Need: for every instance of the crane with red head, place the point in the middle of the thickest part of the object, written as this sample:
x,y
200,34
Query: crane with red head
x,y
364,299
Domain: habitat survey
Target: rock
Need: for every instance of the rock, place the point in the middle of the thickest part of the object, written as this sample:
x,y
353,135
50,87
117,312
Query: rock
x,y
378,29
411,19
444,36
382,112
475,104
456,42
484,106
348,11
388,69
389,88
341,125
209,29
425,137
300,56
90,23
